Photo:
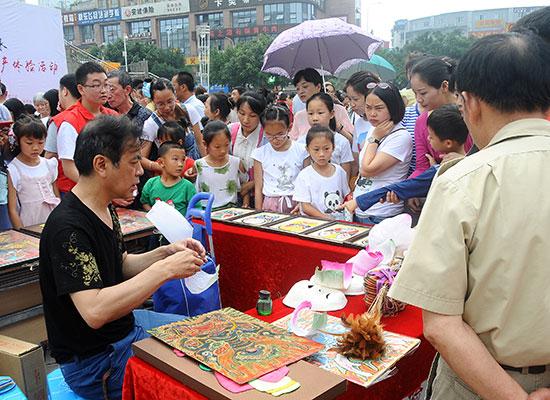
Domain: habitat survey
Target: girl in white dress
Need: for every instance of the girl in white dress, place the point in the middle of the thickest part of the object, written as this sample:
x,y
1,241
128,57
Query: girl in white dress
x,y
219,172
32,193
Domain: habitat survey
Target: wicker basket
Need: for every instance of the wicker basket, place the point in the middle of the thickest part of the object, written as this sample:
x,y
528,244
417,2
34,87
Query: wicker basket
x,y
377,293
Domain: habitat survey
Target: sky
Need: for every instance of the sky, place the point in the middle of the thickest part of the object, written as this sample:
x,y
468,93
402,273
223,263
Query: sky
x,y
383,13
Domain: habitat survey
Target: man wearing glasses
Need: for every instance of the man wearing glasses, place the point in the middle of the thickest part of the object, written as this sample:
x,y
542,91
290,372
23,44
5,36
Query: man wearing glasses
x,y
92,84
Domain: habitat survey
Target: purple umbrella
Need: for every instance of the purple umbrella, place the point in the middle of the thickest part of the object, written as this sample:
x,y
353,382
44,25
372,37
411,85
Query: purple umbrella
x,y
324,44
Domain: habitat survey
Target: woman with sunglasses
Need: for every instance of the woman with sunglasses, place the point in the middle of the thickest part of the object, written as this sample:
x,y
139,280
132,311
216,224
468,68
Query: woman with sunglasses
x,y
168,109
387,153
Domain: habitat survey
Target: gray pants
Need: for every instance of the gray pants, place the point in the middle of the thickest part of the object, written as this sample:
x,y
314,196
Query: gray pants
x,y
443,384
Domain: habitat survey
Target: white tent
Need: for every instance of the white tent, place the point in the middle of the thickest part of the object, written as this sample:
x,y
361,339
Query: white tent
x,y
32,51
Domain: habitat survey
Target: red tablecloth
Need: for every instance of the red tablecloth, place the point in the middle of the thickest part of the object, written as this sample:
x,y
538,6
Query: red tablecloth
x,y
144,382
253,259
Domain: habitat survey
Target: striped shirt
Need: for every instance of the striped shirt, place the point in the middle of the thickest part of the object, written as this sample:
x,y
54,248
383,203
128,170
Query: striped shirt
x,y
409,120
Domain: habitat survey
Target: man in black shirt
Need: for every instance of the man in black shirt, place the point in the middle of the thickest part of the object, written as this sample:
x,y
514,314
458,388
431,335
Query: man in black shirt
x,y
90,285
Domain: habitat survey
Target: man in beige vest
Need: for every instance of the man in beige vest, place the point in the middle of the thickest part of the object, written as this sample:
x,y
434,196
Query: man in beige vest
x,y
478,266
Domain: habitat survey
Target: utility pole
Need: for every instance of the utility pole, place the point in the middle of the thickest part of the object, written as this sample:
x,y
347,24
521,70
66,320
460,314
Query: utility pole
x,y
203,35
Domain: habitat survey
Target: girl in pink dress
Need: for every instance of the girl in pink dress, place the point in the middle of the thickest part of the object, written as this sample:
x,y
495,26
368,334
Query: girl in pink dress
x,y
32,193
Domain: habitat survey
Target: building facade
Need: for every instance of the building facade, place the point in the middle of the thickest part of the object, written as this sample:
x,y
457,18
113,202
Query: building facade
x,y
172,23
470,23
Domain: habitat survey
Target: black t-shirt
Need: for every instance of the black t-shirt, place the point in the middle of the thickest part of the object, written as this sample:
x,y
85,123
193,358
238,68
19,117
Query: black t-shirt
x,y
79,252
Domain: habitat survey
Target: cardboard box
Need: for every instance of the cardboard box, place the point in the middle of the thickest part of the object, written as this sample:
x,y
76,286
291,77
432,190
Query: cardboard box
x,y
316,384
31,330
24,362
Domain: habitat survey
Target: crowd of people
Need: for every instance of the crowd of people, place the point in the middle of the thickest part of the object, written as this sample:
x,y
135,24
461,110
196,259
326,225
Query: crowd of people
x,y
249,149
360,152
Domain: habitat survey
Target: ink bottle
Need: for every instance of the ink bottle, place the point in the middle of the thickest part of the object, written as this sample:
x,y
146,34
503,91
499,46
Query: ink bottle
x,y
264,305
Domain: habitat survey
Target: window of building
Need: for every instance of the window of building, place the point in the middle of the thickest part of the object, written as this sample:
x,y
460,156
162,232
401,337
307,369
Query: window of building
x,y
288,13
217,44
102,4
115,3
215,20
87,33
244,19
140,28
68,33
242,39
174,34
111,33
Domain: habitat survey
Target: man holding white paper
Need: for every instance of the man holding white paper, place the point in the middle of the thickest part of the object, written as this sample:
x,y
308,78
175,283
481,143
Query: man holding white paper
x,y
90,284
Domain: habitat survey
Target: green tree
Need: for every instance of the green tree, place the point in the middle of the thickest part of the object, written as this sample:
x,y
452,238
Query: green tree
x,y
240,65
162,62
452,44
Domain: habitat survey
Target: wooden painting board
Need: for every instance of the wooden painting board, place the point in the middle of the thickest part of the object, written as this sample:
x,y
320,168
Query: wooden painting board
x,y
238,346
316,384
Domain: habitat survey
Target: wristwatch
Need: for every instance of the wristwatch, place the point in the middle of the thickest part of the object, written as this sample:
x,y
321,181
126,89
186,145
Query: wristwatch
x,y
372,139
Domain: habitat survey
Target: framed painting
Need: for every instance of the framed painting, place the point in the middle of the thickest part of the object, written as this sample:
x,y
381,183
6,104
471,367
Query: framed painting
x,y
133,221
339,232
17,248
261,219
228,214
299,225
236,345
361,241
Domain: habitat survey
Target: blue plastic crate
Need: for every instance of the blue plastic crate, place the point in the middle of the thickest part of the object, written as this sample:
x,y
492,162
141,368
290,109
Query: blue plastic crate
x,y
58,388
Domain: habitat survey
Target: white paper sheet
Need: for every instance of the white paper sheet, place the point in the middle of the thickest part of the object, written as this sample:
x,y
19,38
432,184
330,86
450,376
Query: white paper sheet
x,y
170,223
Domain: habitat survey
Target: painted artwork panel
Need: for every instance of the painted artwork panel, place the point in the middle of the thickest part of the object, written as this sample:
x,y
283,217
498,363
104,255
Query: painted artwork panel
x,y
238,346
17,248
261,219
229,213
361,242
299,225
339,232
363,373
133,221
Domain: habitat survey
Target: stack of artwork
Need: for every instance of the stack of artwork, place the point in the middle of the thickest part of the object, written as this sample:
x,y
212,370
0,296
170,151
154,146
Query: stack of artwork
x,y
363,373
312,228
236,345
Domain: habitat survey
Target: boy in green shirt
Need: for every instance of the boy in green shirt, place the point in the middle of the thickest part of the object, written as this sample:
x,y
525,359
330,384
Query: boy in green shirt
x,y
169,187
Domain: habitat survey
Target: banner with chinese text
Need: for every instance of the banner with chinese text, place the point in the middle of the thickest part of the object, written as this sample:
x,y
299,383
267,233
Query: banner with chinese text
x,y
31,62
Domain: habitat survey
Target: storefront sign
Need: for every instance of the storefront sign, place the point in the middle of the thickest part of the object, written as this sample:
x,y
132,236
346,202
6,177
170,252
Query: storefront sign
x,y
480,34
155,9
489,23
192,60
222,33
211,5
98,16
69,19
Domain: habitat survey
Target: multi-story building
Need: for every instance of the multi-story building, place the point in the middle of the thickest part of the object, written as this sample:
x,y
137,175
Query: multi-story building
x,y
172,23
476,23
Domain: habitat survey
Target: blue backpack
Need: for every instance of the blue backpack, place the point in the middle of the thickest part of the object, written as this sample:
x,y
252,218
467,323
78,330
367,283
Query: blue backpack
x,y
174,297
